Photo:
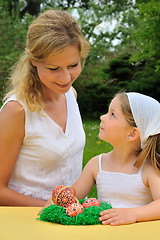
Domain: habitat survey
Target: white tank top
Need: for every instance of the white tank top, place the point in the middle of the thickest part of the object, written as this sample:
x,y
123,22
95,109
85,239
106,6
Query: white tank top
x,y
48,156
122,190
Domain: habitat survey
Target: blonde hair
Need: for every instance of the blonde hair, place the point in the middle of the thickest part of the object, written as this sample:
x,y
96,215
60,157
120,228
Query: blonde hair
x,y
151,149
49,33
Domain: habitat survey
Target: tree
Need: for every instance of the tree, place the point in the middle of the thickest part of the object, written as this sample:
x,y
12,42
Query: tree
x,y
34,7
12,40
148,33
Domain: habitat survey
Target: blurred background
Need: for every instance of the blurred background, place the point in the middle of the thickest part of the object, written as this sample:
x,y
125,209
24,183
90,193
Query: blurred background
x,y
125,46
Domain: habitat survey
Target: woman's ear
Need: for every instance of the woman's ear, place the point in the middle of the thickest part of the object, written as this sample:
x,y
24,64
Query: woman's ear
x,y
134,134
34,62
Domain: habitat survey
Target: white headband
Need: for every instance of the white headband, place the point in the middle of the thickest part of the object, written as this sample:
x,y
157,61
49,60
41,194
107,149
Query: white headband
x,y
146,113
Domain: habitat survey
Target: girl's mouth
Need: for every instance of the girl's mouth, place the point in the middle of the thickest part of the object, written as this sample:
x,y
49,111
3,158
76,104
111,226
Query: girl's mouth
x,y
101,128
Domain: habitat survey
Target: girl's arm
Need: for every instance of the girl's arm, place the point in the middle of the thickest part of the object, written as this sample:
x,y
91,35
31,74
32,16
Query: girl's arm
x,y
87,179
12,130
85,182
151,211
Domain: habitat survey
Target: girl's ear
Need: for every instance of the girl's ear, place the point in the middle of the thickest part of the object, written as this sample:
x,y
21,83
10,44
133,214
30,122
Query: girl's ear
x,y
134,134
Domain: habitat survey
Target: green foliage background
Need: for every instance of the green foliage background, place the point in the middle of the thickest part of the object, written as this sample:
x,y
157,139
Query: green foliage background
x,y
132,65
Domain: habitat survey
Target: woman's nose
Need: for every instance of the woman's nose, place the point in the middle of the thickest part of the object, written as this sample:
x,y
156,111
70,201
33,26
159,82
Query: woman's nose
x,y
65,75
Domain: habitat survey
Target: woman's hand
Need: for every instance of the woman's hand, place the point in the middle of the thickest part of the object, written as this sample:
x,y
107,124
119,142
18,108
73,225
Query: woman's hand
x,y
47,204
118,216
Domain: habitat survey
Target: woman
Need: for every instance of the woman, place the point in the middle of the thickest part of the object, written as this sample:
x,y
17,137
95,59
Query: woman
x,y
42,137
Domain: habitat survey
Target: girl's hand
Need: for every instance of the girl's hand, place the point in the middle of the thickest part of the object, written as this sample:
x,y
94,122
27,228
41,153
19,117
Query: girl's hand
x,y
118,216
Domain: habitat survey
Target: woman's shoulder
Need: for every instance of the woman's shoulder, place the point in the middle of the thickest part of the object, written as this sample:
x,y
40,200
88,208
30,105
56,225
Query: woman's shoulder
x,y
12,110
12,102
12,122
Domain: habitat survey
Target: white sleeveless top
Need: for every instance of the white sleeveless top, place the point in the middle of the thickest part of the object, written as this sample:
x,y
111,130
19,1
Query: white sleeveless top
x,y
122,190
48,156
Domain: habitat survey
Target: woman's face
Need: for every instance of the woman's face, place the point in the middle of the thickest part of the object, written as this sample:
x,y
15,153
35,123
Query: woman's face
x,y
58,72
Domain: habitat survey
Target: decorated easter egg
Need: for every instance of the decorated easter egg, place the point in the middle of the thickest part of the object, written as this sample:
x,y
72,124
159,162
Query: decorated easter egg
x,y
91,202
55,192
63,196
74,209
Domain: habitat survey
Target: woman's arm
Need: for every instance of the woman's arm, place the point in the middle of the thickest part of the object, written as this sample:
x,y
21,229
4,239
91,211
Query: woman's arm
x,y
12,131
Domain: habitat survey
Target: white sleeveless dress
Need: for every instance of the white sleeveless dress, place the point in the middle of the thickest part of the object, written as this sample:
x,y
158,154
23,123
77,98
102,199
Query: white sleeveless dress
x,y
48,156
122,190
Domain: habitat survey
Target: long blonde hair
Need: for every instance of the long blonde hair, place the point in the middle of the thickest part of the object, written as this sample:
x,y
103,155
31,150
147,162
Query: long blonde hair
x,y
151,150
49,33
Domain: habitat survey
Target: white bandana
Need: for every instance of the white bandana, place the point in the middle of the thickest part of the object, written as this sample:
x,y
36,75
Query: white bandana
x,y
146,113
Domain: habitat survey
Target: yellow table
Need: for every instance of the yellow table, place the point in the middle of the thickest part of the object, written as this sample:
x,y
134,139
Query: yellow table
x,y
19,223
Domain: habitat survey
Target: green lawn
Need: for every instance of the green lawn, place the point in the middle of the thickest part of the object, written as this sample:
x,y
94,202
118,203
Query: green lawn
x,y
94,146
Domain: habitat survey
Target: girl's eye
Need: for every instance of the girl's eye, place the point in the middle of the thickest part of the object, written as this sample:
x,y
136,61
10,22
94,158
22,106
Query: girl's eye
x,y
112,114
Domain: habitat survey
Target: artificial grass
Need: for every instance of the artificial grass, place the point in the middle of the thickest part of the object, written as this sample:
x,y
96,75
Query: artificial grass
x,y
90,216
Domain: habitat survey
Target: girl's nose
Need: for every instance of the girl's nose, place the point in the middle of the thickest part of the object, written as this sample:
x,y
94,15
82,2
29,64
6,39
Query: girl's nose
x,y
101,117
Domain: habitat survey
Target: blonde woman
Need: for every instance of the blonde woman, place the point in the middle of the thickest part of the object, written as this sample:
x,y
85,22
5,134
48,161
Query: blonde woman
x,y
41,133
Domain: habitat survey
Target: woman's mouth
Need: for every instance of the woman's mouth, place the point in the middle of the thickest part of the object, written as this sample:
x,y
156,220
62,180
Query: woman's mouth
x,y
63,85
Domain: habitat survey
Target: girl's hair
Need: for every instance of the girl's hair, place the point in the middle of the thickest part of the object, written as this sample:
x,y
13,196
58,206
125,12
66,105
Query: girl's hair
x,y
151,149
49,33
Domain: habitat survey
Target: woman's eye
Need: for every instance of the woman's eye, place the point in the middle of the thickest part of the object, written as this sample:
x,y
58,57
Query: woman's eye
x,y
57,68
54,69
112,114
72,66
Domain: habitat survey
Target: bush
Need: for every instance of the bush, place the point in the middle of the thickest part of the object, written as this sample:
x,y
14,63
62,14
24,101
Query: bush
x,y
13,32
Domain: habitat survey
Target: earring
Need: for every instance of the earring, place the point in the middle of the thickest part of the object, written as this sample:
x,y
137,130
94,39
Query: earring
x,y
128,138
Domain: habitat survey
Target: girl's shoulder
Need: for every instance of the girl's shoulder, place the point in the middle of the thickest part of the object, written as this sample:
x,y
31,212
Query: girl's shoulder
x,y
147,168
93,161
96,159
152,178
94,165
149,173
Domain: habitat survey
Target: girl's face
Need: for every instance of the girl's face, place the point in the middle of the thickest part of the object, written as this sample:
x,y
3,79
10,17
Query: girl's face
x,y
58,72
114,128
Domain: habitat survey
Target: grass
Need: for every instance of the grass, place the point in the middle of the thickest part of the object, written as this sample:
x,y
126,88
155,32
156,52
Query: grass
x,y
94,146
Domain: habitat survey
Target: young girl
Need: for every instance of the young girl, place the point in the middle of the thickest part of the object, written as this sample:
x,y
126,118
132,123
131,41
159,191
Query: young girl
x,y
129,176
41,133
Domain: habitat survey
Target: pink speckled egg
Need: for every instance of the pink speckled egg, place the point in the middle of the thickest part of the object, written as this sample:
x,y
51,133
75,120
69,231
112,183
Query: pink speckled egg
x,y
74,209
91,202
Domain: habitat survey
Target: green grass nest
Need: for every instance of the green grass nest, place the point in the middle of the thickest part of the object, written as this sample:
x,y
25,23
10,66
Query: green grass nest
x,y
90,216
